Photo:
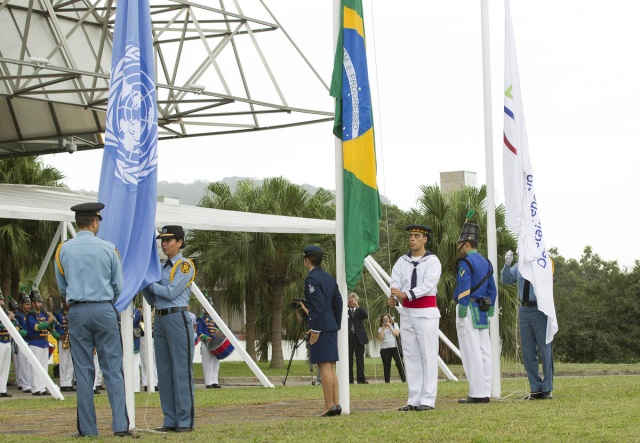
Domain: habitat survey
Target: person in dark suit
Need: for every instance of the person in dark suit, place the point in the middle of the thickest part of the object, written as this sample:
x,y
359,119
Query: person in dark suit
x,y
357,338
324,302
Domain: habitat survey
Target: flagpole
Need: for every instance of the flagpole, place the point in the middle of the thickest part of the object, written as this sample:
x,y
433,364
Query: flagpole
x,y
492,244
342,368
126,330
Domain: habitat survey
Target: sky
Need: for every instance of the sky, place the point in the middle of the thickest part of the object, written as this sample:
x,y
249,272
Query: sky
x,y
580,79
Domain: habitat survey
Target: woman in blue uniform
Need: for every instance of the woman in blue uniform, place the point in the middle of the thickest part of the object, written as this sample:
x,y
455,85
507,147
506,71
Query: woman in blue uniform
x,y
173,334
324,302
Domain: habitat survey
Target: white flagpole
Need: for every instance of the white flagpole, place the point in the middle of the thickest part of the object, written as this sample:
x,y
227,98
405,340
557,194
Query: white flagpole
x,y
342,367
492,243
148,349
126,331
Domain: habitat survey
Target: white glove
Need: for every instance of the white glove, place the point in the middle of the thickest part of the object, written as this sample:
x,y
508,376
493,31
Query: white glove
x,y
508,258
461,326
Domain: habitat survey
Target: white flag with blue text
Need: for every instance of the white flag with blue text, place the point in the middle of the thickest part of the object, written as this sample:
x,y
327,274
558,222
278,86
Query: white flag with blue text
x,y
521,205
129,178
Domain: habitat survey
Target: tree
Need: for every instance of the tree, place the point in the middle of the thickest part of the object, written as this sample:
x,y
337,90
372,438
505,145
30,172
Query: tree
x,y
597,310
23,243
260,270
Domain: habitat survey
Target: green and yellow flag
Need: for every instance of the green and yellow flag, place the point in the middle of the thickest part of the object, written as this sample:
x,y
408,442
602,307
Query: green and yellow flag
x,y
354,126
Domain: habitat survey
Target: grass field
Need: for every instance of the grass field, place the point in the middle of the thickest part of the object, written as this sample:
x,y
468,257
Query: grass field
x,y
585,408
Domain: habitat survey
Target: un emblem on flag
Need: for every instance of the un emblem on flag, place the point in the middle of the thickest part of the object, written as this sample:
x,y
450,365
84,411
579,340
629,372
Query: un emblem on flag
x,y
132,120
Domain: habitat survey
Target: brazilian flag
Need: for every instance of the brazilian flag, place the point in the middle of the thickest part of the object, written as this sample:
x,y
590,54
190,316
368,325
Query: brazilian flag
x,y
354,126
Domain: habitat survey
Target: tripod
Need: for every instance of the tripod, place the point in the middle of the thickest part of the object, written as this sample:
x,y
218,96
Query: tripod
x,y
293,352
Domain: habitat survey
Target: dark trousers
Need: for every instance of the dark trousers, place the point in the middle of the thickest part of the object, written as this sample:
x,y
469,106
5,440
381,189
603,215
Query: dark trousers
x,y
386,355
356,348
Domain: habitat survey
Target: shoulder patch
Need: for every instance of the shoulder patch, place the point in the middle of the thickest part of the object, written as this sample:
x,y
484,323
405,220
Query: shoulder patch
x,y
185,267
118,252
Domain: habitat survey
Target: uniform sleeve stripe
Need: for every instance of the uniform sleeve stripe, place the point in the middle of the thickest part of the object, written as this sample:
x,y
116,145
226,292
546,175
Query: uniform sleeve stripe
x,y
464,294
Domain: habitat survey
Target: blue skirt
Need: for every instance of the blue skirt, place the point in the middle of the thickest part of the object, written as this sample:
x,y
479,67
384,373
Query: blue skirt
x,y
325,349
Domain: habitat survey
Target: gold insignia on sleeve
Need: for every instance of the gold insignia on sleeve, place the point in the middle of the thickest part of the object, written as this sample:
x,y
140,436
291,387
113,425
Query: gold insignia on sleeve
x,y
185,266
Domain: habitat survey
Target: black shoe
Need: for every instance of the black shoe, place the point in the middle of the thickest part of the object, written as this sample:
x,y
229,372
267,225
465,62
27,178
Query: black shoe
x,y
79,435
37,393
546,396
65,389
534,396
95,391
208,386
407,408
27,391
145,388
4,394
364,382
216,386
100,388
182,430
46,393
73,389
423,408
156,389
339,408
332,412
126,433
165,429
474,400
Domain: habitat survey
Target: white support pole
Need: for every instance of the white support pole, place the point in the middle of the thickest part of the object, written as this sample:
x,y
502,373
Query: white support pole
x,y
342,367
126,331
148,349
232,338
492,243
47,257
33,360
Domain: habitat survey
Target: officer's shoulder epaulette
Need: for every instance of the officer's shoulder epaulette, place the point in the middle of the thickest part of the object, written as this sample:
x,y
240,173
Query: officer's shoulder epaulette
x,y
184,266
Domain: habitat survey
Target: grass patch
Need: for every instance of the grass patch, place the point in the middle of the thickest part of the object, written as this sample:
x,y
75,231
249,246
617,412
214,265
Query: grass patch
x,y
603,409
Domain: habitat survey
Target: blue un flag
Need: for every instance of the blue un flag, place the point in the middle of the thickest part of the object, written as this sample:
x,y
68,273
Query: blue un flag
x,y
129,178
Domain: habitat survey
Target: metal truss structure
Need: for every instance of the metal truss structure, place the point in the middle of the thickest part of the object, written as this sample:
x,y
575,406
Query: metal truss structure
x,y
222,66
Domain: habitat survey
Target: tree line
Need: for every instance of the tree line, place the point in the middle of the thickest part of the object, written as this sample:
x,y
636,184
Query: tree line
x,y
260,273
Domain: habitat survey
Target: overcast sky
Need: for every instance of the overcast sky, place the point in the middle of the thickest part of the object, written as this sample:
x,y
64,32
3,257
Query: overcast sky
x,y
580,77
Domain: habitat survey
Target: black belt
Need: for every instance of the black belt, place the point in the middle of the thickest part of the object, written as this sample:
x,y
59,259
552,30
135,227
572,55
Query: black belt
x,y
161,312
85,302
529,304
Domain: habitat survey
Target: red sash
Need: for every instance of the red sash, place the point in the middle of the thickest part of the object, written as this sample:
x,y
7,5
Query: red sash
x,y
428,301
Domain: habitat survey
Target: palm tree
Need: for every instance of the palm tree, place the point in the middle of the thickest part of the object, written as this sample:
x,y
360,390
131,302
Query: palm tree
x,y
23,243
259,270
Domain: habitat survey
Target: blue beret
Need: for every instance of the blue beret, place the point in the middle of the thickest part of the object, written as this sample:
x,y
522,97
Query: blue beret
x,y
312,251
419,228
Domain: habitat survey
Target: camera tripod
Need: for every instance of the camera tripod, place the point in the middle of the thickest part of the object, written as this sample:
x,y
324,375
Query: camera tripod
x,y
304,339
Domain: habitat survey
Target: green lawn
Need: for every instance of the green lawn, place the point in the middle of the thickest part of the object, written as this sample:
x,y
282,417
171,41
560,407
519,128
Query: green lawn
x,y
373,367
585,409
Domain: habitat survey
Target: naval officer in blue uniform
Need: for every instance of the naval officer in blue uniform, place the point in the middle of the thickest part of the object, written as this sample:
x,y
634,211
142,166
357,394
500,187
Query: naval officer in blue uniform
x,y
173,333
324,302
89,275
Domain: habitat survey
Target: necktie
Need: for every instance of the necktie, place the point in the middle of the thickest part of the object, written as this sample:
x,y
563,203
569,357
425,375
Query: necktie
x,y
351,320
525,292
414,274
168,263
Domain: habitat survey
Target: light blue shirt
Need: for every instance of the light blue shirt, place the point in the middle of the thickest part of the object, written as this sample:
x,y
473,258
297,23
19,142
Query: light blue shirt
x,y
88,269
171,293
510,275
